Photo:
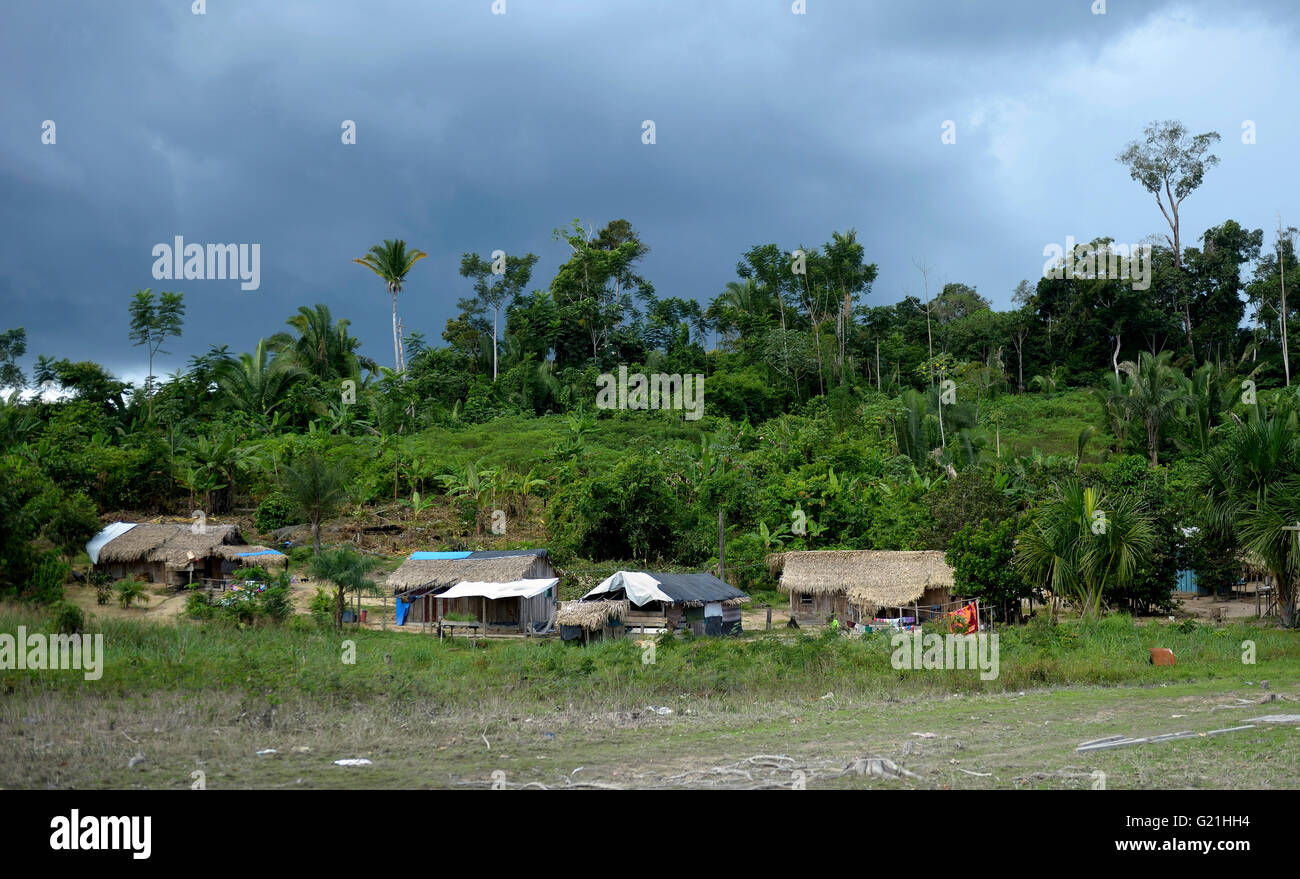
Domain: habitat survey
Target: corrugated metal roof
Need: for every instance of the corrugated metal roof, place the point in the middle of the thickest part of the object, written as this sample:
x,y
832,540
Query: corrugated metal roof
x,y
696,587
641,587
506,553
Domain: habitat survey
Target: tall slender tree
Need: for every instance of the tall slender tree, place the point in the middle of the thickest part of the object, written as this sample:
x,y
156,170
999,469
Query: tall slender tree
x,y
317,487
153,320
1170,165
391,261
496,283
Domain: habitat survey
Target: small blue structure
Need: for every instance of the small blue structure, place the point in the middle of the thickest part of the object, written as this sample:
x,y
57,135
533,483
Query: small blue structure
x,y
1187,583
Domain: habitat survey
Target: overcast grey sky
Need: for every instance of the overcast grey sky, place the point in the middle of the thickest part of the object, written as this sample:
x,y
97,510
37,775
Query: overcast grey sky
x,y
478,131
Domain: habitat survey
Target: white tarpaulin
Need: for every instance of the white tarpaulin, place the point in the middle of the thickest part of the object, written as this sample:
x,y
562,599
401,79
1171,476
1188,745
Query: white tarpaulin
x,y
117,529
639,586
513,589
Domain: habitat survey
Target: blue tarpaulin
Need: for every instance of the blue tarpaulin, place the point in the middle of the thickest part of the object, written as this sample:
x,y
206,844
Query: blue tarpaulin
x,y
402,608
415,556
259,552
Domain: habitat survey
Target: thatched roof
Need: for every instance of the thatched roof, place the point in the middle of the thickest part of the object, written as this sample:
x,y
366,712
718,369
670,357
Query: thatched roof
x,y
417,573
871,578
177,545
730,602
1253,562
242,555
590,615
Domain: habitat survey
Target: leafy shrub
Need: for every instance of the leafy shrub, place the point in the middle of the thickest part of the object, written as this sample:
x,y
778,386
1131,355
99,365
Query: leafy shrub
x,y
103,584
46,585
322,609
256,596
1040,631
632,513
276,604
69,619
277,511
131,590
197,606
981,558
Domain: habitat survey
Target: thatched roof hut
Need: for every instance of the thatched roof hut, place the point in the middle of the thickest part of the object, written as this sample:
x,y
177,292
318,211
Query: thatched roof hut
x,y
418,572
420,582
172,553
865,579
168,543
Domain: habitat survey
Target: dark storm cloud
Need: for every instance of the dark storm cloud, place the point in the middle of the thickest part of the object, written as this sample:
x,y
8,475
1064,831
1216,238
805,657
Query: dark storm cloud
x,y
478,132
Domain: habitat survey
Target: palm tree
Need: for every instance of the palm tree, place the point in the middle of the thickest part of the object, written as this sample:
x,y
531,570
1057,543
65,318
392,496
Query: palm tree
x,y
322,347
1082,543
257,383
1113,395
743,307
1051,382
1208,397
217,464
1157,392
1081,443
349,571
391,261
316,487
1252,493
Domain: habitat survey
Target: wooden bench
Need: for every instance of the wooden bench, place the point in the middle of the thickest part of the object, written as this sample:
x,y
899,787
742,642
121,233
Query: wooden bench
x,y
472,628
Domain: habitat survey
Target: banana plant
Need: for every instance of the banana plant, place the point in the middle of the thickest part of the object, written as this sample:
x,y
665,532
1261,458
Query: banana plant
x,y
815,529
418,505
772,540
474,483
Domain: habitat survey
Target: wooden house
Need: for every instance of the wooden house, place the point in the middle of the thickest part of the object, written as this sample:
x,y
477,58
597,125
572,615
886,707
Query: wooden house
x,y
506,591
176,554
657,602
858,585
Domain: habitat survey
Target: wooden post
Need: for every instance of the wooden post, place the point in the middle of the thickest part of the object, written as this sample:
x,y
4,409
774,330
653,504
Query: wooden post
x,y
769,617
722,567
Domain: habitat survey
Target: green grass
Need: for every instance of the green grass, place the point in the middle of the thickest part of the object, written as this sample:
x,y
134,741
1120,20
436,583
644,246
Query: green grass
x,y
206,698
1051,423
145,657
520,442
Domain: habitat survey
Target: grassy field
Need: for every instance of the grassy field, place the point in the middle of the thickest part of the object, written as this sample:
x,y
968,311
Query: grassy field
x,y
1051,423
769,710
